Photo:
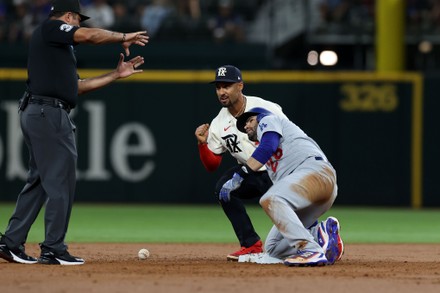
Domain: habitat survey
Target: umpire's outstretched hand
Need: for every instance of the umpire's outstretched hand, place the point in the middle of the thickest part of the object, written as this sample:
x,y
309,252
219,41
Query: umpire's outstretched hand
x,y
128,68
139,38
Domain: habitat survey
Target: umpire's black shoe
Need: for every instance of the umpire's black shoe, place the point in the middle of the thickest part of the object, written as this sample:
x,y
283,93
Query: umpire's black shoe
x,y
48,257
15,255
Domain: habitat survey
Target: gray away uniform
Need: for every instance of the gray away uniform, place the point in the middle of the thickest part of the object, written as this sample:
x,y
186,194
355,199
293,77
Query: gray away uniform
x,y
304,188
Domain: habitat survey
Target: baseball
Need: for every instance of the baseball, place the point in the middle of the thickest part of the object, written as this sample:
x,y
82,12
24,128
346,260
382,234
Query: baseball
x,y
143,253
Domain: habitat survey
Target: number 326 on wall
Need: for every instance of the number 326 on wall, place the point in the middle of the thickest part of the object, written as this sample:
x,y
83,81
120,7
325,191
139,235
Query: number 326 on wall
x,y
369,97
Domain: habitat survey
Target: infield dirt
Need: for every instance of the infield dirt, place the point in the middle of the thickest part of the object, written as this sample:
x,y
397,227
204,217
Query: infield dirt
x,y
185,268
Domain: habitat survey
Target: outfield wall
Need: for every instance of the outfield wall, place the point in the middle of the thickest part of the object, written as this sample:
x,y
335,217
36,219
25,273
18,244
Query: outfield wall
x,y
136,137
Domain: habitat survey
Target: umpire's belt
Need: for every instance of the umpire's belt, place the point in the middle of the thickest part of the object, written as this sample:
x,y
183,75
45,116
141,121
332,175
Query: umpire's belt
x,y
43,100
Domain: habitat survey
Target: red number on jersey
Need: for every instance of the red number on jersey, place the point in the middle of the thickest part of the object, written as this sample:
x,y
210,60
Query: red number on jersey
x,y
273,161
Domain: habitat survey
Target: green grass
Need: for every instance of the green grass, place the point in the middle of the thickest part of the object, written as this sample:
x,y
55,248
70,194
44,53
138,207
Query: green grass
x,y
207,223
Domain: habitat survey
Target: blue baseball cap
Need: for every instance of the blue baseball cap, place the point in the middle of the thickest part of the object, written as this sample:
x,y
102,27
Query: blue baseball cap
x,y
256,111
227,73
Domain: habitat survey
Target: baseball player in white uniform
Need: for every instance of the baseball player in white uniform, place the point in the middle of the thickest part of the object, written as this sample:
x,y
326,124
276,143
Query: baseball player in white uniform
x,y
222,137
304,189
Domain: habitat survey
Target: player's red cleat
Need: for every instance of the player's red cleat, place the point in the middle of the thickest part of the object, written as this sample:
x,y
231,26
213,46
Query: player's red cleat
x,y
256,248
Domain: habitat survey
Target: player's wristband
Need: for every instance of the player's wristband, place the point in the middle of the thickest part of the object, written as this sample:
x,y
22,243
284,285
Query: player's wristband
x,y
245,171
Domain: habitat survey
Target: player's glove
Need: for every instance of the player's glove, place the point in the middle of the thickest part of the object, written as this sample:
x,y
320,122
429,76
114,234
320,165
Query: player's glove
x,y
234,183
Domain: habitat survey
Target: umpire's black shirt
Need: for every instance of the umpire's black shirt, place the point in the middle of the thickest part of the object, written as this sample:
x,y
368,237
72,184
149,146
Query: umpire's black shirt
x,y
52,68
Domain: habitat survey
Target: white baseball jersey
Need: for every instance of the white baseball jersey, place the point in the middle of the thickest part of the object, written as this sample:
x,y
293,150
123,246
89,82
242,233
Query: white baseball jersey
x,y
225,137
294,148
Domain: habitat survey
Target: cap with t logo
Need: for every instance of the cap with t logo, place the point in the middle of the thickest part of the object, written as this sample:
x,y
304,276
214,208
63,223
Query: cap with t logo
x,y
227,73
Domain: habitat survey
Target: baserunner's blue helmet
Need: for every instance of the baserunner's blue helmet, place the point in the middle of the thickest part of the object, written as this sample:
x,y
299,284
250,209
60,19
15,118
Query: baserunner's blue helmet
x,y
256,111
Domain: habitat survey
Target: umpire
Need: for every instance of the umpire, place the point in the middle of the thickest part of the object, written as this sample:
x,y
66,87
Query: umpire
x,y
52,89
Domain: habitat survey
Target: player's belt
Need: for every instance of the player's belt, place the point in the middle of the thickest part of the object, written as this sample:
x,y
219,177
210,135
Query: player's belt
x,y
43,100
317,158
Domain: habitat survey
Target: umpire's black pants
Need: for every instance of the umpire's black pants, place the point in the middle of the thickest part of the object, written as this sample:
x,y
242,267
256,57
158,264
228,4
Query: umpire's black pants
x,y
254,186
49,135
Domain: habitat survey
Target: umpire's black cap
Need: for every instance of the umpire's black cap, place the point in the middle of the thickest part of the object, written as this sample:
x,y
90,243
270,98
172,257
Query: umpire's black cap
x,y
67,6
227,73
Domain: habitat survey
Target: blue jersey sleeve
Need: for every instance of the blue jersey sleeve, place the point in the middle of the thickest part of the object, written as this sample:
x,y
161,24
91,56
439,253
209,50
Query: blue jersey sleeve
x,y
268,145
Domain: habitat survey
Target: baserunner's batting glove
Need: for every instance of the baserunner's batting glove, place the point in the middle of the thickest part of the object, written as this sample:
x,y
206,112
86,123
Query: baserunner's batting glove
x,y
234,182
230,185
